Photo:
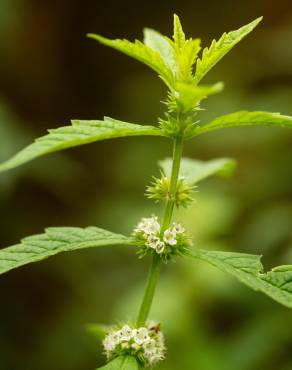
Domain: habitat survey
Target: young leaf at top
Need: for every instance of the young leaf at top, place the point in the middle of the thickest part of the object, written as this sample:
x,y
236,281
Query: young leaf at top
x,y
56,240
185,51
121,363
219,48
194,171
178,33
244,118
248,269
79,133
141,52
159,43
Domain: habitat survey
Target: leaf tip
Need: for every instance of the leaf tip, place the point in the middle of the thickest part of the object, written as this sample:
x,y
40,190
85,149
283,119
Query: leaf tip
x,y
219,86
255,22
95,36
90,35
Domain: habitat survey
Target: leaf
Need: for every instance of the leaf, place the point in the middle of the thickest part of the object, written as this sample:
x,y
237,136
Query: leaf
x,y
159,43
185,51
248,269
141,52
194,170
56,240
244,118
186,57
121,363
79,133
191,96
219,48
178,33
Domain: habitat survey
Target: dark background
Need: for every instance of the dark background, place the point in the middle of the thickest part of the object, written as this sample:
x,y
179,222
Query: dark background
x,y
50,72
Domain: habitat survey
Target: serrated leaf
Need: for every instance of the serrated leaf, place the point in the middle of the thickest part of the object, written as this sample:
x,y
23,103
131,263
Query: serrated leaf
x,y
220,48
56,240
79,133
159,43
186,57
141,52
245,118
121,363
185,52
194,170
248,269
178,33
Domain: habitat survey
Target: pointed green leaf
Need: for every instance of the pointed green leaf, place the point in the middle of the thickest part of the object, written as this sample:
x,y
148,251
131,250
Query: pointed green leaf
x,y
79,133
219,48
248,269
56,240
191,95
178,33
194,170
141,52
121,363
244,118
159,43
185,51
186,57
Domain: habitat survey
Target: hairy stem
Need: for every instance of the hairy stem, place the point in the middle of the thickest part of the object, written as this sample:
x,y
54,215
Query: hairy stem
x,y
167,216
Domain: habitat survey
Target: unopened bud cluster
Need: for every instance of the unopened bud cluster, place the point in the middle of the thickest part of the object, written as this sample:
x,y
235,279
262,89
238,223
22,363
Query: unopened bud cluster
x,y
180,118
172,241
159,190
145,343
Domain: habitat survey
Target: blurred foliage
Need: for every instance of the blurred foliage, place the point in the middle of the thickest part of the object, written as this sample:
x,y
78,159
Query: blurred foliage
x,y
50,73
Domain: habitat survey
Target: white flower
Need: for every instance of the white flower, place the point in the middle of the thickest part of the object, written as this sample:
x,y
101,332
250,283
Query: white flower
x,y
152,241
141,335
111,341
108,345
126,333
178,228
148,226
150,345
159,247
169,237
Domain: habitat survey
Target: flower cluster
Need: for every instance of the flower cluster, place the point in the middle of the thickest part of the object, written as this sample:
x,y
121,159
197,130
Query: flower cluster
x,y
145,343
159,191
172,241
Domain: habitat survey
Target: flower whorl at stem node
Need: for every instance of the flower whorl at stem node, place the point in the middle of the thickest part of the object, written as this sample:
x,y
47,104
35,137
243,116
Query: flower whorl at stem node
x,y
144,343
170,242
159,191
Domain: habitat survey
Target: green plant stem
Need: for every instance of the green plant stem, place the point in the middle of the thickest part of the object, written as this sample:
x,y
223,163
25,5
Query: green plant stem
x,y
168,211
176,159
149,291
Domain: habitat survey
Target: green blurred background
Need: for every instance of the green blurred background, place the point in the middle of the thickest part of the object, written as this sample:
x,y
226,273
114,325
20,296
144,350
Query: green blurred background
x,y
49,73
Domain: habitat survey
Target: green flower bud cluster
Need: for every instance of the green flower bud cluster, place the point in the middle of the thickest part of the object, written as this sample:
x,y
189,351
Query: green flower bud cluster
x,y
180,117
158,190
